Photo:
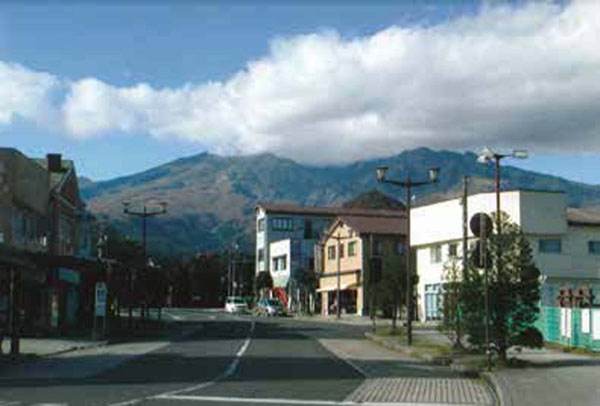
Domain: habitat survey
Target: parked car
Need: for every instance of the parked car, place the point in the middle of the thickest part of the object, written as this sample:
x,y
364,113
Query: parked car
x,y
270,307
235,304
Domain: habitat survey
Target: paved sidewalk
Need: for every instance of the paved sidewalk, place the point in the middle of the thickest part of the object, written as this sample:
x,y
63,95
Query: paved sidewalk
x,y
551,378
395,377
50,346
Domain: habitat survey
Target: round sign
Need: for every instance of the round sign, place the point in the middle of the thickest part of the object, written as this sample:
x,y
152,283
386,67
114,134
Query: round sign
x,y
479,220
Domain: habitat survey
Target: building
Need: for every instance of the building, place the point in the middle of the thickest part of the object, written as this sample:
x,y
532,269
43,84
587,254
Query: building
x,y
302,226
346,249
45,228
565,241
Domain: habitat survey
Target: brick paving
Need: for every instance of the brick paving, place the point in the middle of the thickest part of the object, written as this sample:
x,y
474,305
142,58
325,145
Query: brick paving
x,y
423,390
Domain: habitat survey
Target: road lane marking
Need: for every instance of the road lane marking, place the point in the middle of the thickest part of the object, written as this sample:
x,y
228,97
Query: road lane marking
x,y
227,373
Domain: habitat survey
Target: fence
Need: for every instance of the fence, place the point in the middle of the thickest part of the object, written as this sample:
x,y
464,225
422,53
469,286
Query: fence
x,y
573,327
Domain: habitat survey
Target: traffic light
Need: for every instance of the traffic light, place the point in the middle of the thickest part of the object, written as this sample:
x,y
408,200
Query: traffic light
x,y
481,226
375,270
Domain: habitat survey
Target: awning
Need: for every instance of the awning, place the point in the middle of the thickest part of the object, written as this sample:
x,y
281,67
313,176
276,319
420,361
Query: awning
x,y
347,286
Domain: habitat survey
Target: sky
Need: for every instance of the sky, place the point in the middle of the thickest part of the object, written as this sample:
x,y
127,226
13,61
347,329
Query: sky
x,y
120,87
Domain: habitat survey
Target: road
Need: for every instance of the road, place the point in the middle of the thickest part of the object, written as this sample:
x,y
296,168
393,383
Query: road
x,y
219,359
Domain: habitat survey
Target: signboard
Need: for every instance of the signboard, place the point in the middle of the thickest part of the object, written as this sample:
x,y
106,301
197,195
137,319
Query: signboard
x,y
101,293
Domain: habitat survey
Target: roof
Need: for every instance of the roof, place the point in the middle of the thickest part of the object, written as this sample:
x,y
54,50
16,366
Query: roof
x,y
583,217
327,211
370,225
57,177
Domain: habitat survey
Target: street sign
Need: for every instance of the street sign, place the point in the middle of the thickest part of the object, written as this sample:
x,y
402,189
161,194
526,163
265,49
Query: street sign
x,y
476,222
101,293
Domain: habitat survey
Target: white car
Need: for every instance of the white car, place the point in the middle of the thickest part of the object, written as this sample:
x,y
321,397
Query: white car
x,y
235,304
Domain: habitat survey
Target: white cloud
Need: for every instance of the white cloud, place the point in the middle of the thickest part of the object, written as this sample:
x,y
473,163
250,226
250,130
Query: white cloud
x,y
26,94
527,76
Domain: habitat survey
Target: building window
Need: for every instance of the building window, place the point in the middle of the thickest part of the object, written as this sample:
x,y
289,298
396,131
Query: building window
x,y
341,250
378,248
280,263
550,245
433,302
400,248
308,234
352,248
453,250
261,224
594,247
435,254
331,252
283,224
261,254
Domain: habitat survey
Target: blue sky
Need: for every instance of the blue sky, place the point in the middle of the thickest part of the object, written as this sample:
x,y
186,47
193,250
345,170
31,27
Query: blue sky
x,y
121,88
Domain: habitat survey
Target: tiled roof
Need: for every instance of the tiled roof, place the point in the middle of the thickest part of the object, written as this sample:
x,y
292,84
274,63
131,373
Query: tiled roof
x,y
328,211
589,217
376,225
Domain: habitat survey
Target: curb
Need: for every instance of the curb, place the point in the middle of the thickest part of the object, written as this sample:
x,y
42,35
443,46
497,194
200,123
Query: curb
x,y
411,352
494,383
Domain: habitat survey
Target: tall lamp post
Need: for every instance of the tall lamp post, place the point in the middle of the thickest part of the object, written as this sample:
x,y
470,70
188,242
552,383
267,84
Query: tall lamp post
x,y
486,156
408,184
144,214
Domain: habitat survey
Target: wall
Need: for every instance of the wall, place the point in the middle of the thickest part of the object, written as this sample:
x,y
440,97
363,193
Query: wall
x,y
278,248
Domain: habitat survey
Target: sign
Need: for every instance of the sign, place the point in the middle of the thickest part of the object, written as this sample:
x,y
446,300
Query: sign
x,y
479,220
101,293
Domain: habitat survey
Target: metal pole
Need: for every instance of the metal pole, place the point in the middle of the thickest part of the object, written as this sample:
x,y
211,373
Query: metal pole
x,y
497,184
409,310
371,284
483,256
465,251
14,315
338,307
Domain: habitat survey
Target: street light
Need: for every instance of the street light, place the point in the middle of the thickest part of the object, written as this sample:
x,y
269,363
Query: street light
x,y
433,173
486,156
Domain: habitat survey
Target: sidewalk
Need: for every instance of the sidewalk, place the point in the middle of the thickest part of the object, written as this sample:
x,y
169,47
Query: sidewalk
x,y
549,378
50,346
392,377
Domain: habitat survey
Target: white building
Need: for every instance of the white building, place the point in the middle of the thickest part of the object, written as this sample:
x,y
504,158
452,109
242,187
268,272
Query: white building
x,y
565,241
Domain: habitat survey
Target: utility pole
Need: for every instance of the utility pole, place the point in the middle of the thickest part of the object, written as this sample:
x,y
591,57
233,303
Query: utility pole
x,y
14,315
465,248
144,214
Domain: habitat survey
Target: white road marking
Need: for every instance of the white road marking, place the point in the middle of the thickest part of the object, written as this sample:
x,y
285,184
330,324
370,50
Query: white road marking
x,y
174,317
228,372
266,401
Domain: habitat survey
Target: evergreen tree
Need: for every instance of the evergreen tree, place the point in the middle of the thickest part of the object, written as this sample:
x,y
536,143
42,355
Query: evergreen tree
x,y
451,324
514,293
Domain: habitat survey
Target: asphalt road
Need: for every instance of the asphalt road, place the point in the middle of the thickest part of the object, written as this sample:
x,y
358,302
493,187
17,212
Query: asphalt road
x,y
223,360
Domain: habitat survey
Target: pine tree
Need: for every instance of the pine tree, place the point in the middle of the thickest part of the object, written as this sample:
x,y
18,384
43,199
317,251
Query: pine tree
x,y
514,293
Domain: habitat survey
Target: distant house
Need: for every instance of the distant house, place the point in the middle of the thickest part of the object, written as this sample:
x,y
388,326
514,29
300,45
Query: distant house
x,y
345,250
301,227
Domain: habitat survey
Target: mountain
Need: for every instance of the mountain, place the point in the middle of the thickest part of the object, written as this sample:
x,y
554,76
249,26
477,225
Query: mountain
x,y
211,198
374,199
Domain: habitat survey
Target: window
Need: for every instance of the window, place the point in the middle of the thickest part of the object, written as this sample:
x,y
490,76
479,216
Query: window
x,y
331,252
435,254
283,224
378,248
594,247
261,254
550,245
341,250
400,248
308,234
280,263
453,250
352,249
261,224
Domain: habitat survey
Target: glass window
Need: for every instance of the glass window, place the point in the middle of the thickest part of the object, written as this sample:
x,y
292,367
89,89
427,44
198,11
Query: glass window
x,y
352,248
550,245
453,250
341,250
378,248
331,252
400,248
261,224
261,254
283,224
435,254
594,247
308,234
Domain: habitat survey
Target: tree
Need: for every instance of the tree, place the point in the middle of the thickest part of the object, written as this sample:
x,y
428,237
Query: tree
x,y
390,291
263,282
306,281
514,293
451,324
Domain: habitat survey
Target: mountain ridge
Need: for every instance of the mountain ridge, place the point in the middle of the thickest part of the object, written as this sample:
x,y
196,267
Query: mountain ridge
x,y
212,198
